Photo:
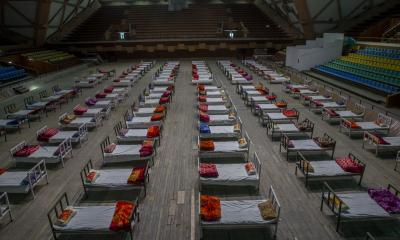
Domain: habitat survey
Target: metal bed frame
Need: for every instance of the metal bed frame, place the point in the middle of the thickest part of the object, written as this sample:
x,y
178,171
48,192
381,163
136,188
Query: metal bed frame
x,y
86,187
285,141
64,202
270,196
328,192
300,166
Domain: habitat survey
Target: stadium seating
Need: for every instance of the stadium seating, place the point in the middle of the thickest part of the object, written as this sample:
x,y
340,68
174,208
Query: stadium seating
x,y
197,21
376,68
11,73
50,56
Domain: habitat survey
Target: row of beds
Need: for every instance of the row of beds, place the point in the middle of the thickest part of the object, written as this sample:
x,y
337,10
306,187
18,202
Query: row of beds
x,y
230,155
355,206
55,145
34,108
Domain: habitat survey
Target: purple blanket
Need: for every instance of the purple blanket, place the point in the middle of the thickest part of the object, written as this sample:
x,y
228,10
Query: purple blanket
x,y
386,199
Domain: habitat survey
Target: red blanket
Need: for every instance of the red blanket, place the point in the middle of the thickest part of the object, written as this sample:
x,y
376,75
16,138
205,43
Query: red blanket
x,y
47,134
208,170
204,117
153,131
101,95
137,175
203,107
202,98
109,89
349,165
26,151
122,216
210,208
80,110
289,113
164,100
146,150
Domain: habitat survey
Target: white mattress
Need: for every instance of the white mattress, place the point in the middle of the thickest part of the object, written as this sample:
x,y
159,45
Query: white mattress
x,y
286,127
239,212
228,146
307,144
231,175
112,178
327,168
277,116
12,182
145,111
89,218
361,205
264,107
61,136
370,126
123,153
394,141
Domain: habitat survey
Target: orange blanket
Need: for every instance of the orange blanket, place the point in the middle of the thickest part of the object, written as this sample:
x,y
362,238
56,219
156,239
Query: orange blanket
x,y
157,117
153,131
122,216
210,208
137,175
160,109
207,145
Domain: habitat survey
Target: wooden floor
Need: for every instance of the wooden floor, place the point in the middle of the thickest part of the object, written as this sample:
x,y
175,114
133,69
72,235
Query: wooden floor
x,y
168,211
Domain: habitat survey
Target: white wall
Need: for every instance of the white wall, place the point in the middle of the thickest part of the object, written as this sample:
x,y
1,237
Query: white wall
x,y
315,52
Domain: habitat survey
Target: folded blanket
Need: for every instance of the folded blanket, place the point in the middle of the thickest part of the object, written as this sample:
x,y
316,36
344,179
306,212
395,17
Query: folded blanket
x,y
210,208
303,125
204,128
207,145
200,87
80,110
160,109
101,95
242,143
323,142
295,90
153,131
202,98
68,118
204,117
349,165
90,102
137,175
47,134
166,94
122,216
267,210
271,97
380,123
250,169
259,86
351,123
109,89
26,150
386,199
236,127
157,117
146,149
281,104
331,112
66,215
290,113
203,107
3,170
110,148
262,91
164,100
231,115
92,176
208,170
170,88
